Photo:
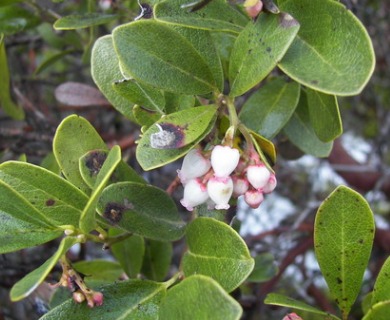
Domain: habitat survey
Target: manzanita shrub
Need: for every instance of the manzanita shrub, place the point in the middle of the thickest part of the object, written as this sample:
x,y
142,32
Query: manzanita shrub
x,y
180,70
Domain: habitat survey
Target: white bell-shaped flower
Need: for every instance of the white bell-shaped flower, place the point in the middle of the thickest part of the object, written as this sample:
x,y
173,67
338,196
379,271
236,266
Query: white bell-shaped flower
x,y
240,186
220,190
194,166
195,193
224,160
254,198
271,184
258,175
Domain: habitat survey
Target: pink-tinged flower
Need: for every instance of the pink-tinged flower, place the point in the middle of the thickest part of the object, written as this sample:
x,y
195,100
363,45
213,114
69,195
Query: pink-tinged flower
x,y
240,186
97,298
292,316
220,190
253,7
194,166
224,160
195,193
271,184
253,198
258,175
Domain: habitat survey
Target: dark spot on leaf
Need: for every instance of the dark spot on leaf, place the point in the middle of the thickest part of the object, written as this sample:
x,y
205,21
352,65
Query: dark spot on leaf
x,y
287,21
361,241
94,162
339,281
316,82
50,202
113,212
268,49
170,136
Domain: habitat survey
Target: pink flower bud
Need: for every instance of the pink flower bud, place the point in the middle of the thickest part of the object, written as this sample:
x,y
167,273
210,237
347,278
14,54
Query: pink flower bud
x,y
292,316
195,193
97,298
220,190
271,184
253,7
258,175
224,160
240,186
253,198
78,296
194,166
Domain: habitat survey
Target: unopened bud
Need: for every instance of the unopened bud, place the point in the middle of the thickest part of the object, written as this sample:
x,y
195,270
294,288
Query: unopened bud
x,y
194,165
240,186
258,175
271,184
195,193
254,198
224,160
220,190
78,296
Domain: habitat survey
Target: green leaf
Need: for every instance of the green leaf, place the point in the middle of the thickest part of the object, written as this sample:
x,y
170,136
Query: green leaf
x,y
324,115
258,49
178,102
381,290
265,148
79,21
366,302
142,209
174,135
379,311
9,107
87,219
217,15
141,94
31,281
265,268
127,300
157,259
74,137
105,71
14,18
129,252
300,131
47,62
333,52
197,298
280,300
217,251
343,236
146,53
54,197
145,117
268,110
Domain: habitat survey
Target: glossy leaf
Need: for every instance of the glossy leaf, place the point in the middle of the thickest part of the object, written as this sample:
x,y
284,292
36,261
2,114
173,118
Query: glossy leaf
x,y
87,219
381,290
379,311
31,281
99,271
300,131
258,49
332,52
324,115
265,268
198,297
54,197
79,21
157,259
6,102
146,53
265,149
268,110
217,251
216,15
280,300
129,252
105,71
142,209
141,94
343,234
127,300
174,135
74,137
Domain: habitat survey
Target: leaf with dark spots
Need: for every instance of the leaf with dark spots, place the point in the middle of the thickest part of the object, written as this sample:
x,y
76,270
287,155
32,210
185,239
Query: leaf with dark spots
x,y
50,202
170,136
287,21
113,212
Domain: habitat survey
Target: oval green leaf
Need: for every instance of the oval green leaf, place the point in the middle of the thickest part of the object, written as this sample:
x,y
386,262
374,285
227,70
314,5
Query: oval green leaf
x,y
54,197
381,290
216,250
324,115
79,21
157,259
333,52
265,268
258,49
343,236
146,53
197,298
217,15
74,137
280,300
379,311
268,110
174,135
141,209
105,71
31,281
300,131
127,300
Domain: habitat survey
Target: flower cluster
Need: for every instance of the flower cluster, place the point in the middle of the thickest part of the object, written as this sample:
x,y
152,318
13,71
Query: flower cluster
x,y
214,178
